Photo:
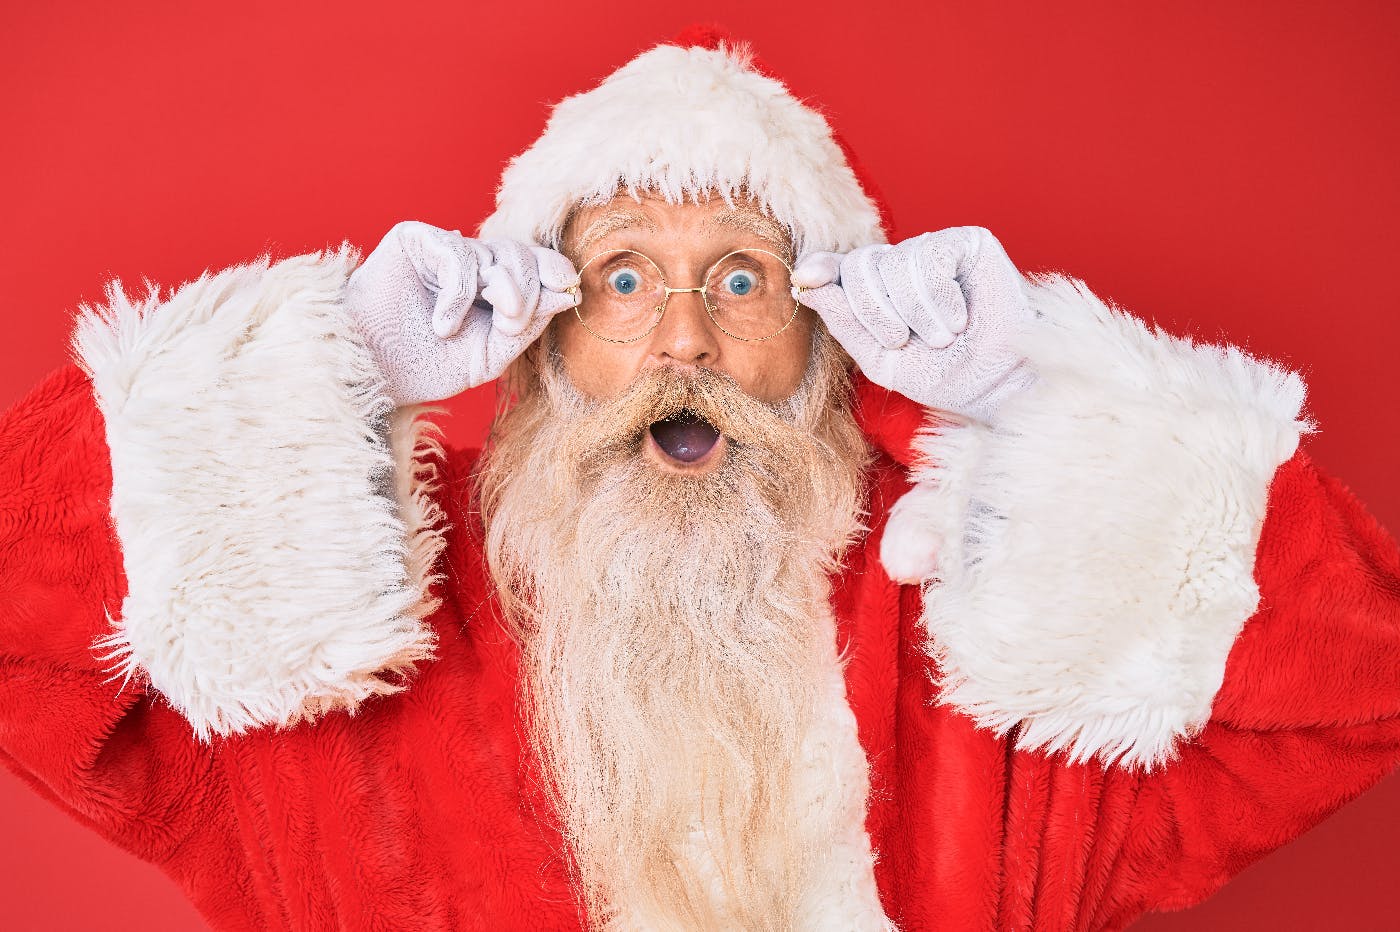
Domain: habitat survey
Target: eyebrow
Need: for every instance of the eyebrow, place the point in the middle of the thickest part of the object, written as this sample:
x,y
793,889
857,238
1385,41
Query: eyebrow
x,y
757,224
611,222
748,221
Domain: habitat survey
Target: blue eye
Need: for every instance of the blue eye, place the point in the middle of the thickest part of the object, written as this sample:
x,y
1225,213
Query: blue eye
x,y
625,281
740,283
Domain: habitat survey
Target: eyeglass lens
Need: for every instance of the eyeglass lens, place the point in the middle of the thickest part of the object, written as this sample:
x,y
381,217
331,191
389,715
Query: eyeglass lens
x,y
623,294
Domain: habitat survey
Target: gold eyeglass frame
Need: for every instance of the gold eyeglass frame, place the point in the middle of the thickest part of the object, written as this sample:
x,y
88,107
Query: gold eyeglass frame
x,y
576,289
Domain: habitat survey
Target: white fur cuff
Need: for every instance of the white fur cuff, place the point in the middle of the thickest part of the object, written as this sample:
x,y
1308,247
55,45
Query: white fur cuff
x,y
270,505
1088,558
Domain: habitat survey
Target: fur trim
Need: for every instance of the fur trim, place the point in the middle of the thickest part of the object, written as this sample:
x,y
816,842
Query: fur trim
x,y
274,516
1088,559
833,786
416,445
684,122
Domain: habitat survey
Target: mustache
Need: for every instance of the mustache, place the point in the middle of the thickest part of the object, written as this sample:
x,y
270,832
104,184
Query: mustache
x,y
661,392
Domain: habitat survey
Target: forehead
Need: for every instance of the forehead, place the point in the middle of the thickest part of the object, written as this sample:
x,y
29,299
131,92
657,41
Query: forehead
x,y
654,217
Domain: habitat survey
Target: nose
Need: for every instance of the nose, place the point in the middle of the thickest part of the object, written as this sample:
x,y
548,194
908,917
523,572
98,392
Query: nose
x,y
686,333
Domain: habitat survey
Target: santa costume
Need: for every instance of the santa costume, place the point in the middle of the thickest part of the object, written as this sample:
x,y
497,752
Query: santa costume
x,y
1089,660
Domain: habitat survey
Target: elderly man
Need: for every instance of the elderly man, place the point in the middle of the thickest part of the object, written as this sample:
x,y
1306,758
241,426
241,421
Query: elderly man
x,y
807,581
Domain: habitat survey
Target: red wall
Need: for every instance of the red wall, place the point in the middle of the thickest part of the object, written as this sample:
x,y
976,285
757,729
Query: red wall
x,y
1229,170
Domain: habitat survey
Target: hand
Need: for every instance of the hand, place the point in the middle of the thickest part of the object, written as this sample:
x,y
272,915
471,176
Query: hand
x,y
442,313
930,318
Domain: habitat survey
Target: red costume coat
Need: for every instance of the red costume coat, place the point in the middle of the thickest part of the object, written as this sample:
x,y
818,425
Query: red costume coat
x,y
418,811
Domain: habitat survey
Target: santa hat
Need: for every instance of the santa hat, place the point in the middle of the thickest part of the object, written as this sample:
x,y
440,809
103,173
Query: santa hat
x,y
683,120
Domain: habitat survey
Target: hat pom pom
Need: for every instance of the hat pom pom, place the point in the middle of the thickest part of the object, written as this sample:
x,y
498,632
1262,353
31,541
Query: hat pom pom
x,y
704,35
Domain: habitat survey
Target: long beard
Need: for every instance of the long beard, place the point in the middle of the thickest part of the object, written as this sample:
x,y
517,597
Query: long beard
x,y
676,634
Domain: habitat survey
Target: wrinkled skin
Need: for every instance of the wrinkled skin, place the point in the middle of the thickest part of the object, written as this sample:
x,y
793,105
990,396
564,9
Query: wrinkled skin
x,y
684,240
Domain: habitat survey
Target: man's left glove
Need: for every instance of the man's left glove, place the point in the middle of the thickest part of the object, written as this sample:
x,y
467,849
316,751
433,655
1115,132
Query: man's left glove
x,y
442,313
930,318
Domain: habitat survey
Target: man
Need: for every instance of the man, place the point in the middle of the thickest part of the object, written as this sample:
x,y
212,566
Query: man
x,y
1040,619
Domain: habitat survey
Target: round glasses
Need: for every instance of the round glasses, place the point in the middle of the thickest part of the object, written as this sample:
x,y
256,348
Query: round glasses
x,y
621,295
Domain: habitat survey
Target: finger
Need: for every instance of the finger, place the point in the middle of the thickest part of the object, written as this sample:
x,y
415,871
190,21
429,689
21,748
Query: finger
x,y
453,268
939,308
926,321
905,280
483,350
818,269
937,257
871,304
976,246
556,272
512,285
831,305
508,311
552,302
449,310
992,283
470,350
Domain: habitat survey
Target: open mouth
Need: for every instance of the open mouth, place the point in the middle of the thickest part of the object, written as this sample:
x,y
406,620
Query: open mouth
x,y
685,437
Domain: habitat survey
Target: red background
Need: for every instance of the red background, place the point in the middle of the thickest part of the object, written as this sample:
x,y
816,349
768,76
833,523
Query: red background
x,y
1228,172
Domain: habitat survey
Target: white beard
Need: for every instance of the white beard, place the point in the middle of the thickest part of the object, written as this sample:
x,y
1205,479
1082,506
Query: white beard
x,y
679,653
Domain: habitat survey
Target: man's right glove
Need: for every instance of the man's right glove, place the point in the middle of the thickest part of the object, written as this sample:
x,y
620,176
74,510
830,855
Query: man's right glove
x,y
442,313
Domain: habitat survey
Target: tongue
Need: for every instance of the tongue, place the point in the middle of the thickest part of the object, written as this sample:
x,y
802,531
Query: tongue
x,y
686,437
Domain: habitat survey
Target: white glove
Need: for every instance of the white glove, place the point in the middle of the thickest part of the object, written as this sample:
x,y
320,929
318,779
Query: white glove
x,y
442,313
930,318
